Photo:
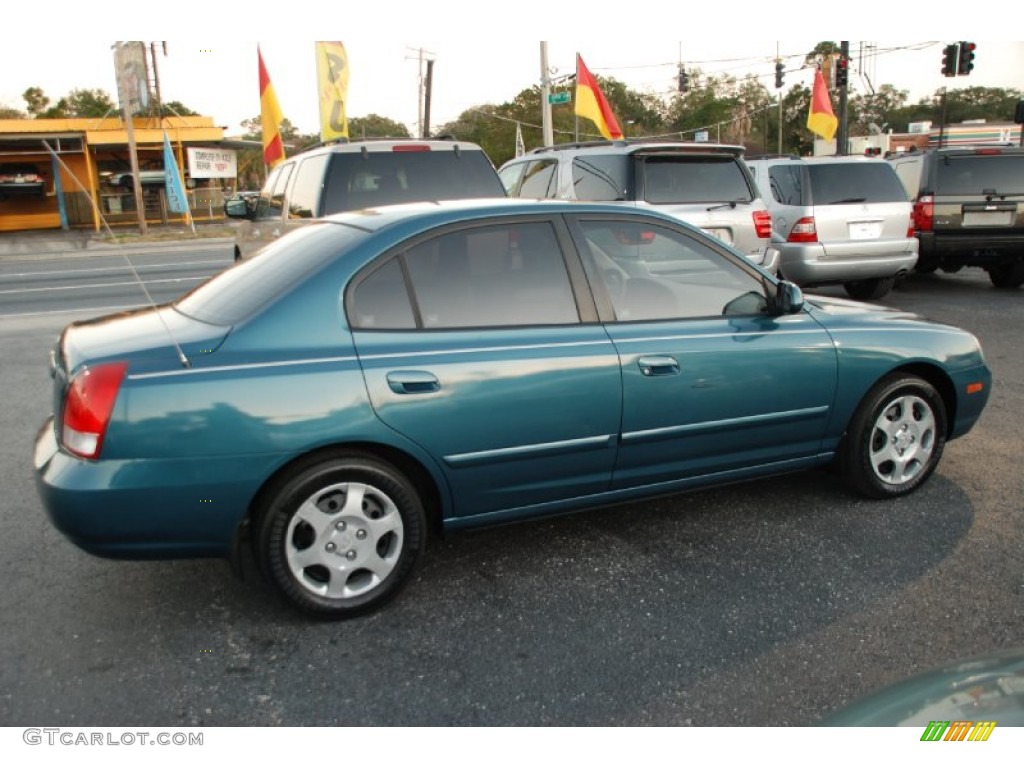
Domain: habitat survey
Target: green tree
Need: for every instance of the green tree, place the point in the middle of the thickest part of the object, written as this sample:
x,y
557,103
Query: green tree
x,y
176,108
81,102
376,126
10,113
37,102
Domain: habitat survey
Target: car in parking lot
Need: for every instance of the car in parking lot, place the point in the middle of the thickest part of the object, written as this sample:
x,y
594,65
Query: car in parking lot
x,y
703,184
968,209
363,173
387,374
21,179
838,219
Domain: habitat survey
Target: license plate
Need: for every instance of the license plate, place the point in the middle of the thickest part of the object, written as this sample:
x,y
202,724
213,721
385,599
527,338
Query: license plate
x,y
988,218
865,230
724,235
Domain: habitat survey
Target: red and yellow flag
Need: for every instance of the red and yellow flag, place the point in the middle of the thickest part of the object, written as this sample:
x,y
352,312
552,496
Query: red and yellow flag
x,y
591,103
821,120
270,118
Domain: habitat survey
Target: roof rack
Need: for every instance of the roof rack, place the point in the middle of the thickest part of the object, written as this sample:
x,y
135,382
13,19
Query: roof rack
x,y
632,143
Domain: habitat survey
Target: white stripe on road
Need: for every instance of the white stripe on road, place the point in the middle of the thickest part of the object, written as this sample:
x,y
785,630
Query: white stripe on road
x,y
64,272
98,310
105,285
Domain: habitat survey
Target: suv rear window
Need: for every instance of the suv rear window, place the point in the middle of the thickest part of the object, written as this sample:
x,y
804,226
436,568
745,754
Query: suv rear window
x,y
838,183
973,174
356,180
695,180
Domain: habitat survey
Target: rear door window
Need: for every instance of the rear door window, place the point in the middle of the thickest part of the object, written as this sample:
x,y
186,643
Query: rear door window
x,y
854,183
540,179
980,174
363,180
695,180
786,182
601,177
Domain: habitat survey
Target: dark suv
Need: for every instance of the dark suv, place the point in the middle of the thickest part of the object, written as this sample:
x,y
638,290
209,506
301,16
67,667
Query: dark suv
x,y
360,174
968,209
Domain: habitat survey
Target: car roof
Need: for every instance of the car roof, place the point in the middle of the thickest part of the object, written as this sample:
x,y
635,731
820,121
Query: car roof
x,y
390,144
376,219
630,146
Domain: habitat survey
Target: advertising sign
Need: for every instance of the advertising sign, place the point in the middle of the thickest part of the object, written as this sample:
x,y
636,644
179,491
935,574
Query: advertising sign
x,y
208,163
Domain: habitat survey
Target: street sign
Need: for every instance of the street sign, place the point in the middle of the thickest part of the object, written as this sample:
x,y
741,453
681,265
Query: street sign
x,y
700,136
561,97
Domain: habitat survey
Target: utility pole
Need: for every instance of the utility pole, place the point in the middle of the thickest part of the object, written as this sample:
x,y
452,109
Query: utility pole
x,y
421,54
545,92
842,139
425,134
156,80
778,86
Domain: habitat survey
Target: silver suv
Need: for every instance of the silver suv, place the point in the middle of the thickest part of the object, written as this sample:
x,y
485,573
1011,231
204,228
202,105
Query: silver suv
x,y
838,220
364,173
706,185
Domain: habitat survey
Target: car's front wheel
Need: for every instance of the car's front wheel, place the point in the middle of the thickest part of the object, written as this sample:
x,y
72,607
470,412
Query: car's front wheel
x,y
869,290
341,534
896,437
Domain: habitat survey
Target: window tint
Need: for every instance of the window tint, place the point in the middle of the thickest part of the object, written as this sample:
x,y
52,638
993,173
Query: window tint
x,y
695,180
842,183
238,292
504,275
971,174
655,273
356,180
787,184
601,177
305,196
510,175
539,179
382,301
263,205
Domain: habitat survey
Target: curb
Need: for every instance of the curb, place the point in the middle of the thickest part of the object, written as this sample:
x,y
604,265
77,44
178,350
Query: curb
x,y
93,248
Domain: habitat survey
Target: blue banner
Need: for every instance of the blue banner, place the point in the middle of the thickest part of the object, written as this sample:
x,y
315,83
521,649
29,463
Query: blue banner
x,y
176,200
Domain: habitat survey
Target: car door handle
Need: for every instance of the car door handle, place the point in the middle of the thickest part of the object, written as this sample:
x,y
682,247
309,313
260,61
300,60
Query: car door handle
x,y
658,365
413,382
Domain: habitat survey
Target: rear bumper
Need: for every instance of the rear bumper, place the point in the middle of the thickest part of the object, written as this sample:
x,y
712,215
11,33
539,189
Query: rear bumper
x,y
146,508
971,248
812,264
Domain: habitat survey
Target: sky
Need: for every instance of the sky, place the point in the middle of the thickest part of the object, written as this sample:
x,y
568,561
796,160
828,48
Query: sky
x,y
476,62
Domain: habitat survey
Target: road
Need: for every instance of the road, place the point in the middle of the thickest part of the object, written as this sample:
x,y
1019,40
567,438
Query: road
x,y
769,603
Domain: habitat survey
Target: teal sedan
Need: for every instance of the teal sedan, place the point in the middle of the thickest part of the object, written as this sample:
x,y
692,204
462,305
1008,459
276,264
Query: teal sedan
x,y
385,375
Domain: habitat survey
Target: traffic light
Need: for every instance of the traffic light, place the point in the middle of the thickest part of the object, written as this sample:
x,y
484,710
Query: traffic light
x,y
949,59
842,71
684,80
780,70
965,62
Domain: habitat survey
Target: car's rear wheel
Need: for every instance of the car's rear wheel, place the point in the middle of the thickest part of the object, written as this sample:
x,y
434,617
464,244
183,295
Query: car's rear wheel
x,y
341,534
896,437
1007,275
869,290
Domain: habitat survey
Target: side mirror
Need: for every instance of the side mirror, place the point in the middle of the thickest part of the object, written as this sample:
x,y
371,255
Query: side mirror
x,y
237,208
789,299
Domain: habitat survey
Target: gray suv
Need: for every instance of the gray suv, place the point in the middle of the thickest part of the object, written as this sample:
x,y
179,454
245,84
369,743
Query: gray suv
x,y
706,185
360,174
968,209
838,219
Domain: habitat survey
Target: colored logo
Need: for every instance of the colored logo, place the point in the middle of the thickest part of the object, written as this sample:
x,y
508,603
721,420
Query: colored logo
x,y
958,730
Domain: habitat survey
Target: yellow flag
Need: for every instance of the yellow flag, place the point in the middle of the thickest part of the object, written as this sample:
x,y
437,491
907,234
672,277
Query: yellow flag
x,y
332,81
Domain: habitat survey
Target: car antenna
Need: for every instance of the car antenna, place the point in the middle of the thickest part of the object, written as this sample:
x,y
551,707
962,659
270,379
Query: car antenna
x,y
181,354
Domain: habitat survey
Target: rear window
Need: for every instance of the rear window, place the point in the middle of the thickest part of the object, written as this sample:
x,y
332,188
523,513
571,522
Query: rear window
x,y
238,292
851,183
356,180
695,180
979,174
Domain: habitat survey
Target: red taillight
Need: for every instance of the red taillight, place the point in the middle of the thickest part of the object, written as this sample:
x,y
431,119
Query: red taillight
x,y
87,408
410,148
924,211
763,223
804,231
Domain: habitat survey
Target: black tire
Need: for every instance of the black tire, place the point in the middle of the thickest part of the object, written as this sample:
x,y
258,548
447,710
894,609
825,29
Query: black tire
x,y
341,534
1007,275
895,439
869,290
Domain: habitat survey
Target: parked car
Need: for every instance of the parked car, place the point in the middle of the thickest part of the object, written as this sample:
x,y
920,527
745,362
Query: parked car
x,y
21,179
363,173
149,178
839,219
968,209
706,185
387,373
